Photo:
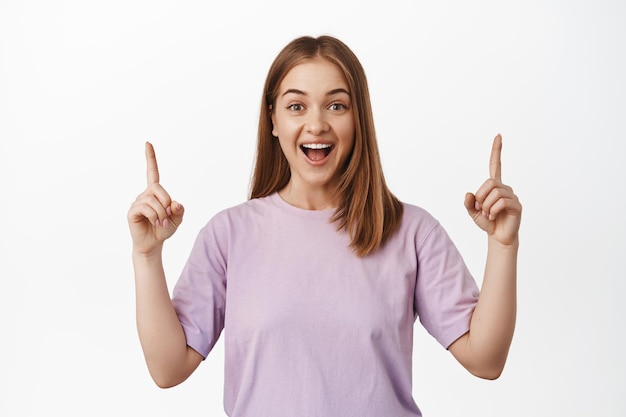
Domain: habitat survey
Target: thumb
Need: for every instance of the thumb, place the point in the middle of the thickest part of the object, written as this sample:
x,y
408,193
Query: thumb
x,y
177,212
470,205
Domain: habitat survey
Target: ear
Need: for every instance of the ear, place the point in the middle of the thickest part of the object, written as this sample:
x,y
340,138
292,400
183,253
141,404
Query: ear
x,y
273,117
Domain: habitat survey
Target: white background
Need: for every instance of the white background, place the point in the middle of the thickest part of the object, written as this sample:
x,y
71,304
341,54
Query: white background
x,y
83,84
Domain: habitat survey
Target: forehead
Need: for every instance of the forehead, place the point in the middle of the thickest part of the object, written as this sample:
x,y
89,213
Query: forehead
x,y
314,74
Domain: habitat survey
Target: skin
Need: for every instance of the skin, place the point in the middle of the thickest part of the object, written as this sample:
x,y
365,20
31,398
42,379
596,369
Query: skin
x,y
312,108
496,210
153,218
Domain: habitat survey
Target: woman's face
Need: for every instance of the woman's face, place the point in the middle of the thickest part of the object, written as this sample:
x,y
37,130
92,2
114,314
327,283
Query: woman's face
x,y
313,120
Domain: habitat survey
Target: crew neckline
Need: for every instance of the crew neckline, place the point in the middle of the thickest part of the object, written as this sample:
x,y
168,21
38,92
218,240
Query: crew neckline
x,y
324,214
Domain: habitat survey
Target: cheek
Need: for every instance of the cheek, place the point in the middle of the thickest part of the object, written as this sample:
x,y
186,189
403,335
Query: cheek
x,y
347,134
285,127
287,147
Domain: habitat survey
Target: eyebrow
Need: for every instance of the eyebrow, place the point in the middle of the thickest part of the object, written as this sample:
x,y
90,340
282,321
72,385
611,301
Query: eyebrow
x,y
330,93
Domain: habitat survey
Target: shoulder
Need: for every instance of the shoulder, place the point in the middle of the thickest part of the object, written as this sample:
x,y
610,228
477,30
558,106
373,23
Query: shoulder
x,y
420,224
250,207
223,227
416,216
240,214
432,240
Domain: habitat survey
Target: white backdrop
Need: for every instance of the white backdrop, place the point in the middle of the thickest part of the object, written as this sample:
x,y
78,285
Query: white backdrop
x,y
83,84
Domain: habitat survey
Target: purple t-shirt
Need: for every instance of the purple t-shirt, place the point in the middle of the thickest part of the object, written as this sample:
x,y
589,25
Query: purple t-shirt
x,y
310,328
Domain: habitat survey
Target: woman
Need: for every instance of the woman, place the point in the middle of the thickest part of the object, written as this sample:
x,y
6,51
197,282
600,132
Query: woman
x,y
319,277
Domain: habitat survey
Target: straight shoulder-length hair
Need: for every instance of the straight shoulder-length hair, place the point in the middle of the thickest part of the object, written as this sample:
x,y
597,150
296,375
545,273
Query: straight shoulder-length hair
x,y
367,209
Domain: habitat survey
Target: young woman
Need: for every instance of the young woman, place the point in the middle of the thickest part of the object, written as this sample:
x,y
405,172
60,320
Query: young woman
x,y
319,277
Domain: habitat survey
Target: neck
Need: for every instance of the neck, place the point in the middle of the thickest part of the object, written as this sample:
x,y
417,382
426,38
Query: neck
x,y
309,199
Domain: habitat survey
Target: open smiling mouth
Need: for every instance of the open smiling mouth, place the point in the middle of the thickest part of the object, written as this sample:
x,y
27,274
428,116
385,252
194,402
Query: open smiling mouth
x,y
316,151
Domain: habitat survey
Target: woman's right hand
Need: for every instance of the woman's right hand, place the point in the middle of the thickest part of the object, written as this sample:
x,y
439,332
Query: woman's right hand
x,y
153,216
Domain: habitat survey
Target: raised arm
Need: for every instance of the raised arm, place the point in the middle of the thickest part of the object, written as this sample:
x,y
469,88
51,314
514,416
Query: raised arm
x,y
496,210
154,217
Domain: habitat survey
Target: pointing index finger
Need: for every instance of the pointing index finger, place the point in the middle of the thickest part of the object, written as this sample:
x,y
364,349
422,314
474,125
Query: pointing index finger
x,y
495,164
152,171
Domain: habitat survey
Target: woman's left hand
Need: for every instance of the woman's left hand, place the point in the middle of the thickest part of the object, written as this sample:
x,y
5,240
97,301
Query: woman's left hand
x,y
494,207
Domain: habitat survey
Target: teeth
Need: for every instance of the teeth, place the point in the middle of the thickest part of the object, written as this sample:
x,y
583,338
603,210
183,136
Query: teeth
x,y
316,146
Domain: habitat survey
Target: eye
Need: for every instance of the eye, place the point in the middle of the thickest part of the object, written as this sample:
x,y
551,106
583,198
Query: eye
x,y
337,106
295,107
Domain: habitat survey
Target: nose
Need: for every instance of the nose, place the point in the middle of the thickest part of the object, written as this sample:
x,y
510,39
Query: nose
x,y
316,122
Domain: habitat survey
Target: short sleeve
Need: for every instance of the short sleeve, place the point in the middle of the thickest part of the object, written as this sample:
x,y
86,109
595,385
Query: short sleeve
x,y
445,292
199,296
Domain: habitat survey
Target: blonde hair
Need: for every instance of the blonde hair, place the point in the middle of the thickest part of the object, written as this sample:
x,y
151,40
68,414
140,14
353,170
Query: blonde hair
x,y
367,210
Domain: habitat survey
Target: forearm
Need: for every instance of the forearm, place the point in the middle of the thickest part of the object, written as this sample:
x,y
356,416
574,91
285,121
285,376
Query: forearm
x,y
493,320
160,333
495,209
